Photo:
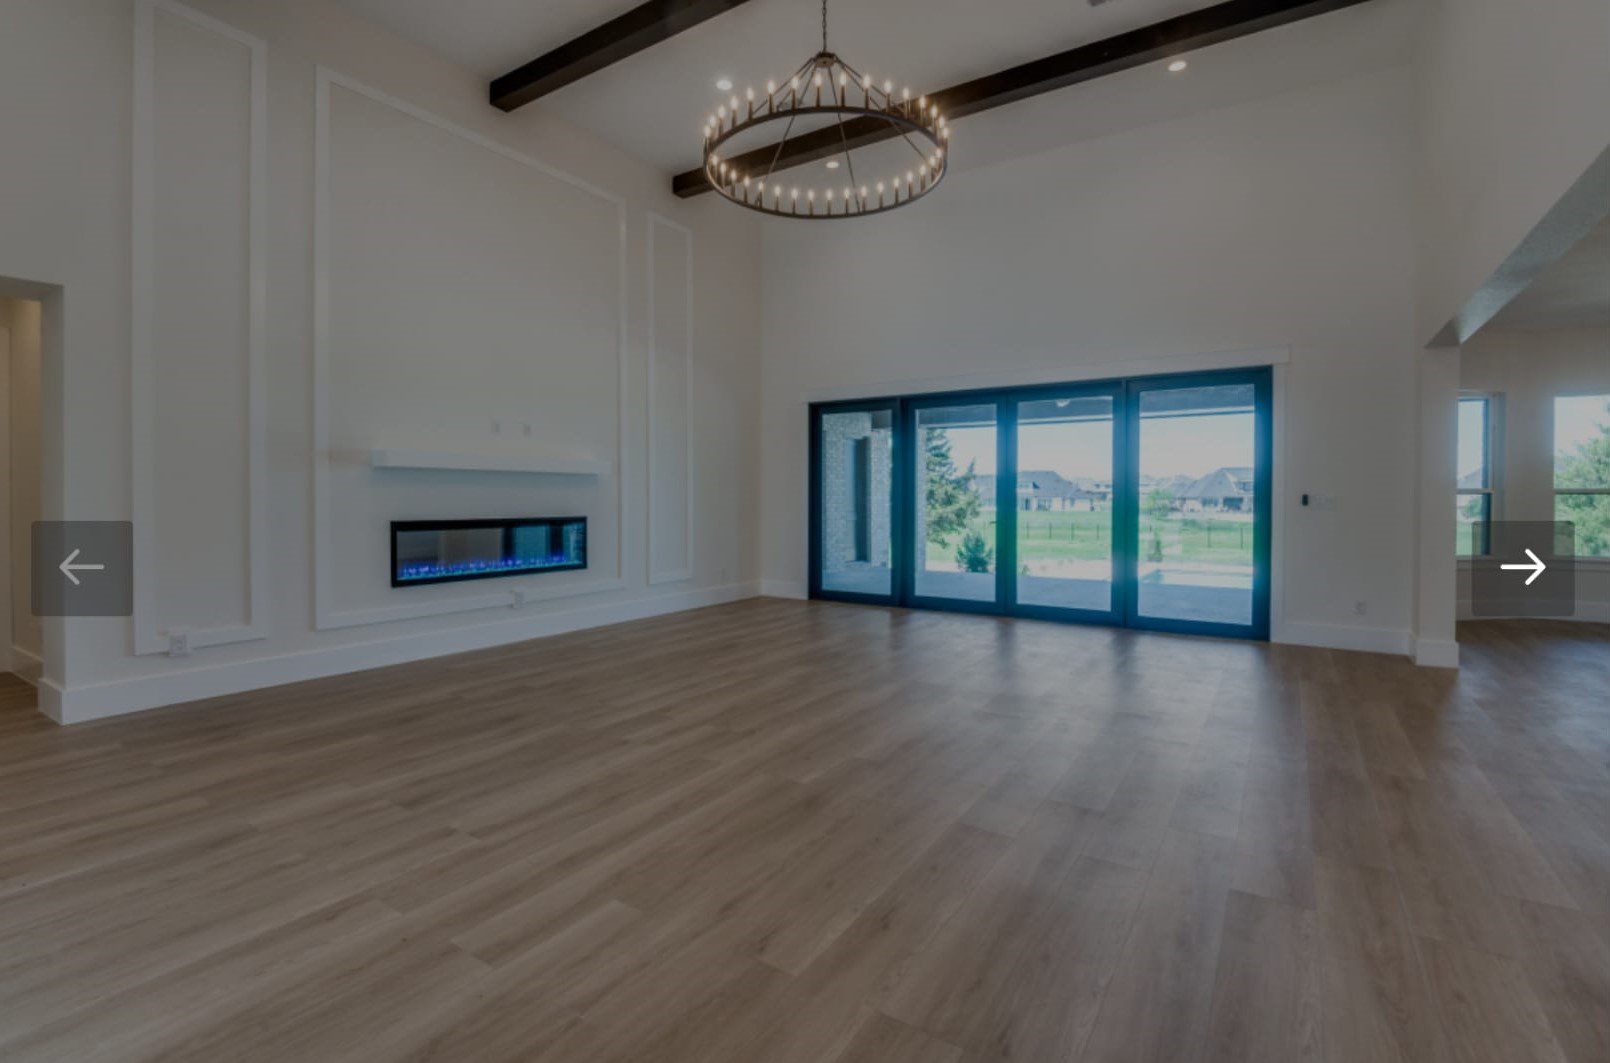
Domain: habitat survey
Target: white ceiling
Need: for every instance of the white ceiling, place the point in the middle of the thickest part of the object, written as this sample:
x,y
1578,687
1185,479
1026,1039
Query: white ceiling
x,y
1574,292
652,104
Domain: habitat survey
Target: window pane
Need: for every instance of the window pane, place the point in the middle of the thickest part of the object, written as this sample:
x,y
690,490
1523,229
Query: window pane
x,y
857,468
1197,504
1064,502
1470,524
1582,442
955,485
1473,443
1591,515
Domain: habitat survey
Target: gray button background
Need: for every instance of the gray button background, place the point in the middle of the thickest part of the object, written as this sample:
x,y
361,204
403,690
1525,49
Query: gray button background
x,y
1496,591
108,591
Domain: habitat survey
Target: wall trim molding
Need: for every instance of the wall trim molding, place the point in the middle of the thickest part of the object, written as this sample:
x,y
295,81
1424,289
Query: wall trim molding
x,y
685,570
784,588
149,636
26,665
93,701
1396,641
326,615
1587,612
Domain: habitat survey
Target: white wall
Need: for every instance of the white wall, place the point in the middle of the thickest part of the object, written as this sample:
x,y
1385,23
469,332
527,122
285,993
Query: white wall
x,y
1511,100
1529,369
289,306
1278,230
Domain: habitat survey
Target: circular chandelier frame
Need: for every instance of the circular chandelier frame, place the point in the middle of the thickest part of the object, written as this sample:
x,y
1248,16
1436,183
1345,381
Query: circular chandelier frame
x,y
826,85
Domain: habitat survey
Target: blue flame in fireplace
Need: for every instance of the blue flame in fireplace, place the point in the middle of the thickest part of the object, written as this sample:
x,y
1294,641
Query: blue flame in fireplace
x,y
434,570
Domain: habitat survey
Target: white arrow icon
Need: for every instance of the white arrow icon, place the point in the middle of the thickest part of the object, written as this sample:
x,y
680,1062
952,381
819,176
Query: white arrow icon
x,y
68,568
1535,568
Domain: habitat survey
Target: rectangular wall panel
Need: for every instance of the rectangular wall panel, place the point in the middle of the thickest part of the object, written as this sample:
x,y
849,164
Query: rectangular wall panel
x,y
469,301
197,419
670,393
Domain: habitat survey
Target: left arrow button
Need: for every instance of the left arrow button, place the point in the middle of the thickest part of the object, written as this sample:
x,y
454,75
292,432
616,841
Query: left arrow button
x,y
71,570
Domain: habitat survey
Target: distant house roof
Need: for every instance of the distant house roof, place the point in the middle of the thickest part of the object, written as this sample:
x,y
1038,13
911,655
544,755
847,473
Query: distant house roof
x,y
1037,484
1219,484
1043,483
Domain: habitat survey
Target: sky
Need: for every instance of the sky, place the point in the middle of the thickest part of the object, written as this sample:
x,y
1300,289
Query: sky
x,y
1082,450
1472,433
1577,419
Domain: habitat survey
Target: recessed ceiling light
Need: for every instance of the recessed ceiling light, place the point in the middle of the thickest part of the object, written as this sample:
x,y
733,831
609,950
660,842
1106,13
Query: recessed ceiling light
x,y
1177,65
832,164
724,84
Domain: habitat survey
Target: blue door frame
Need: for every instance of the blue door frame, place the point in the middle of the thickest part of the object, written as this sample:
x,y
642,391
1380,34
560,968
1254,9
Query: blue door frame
x,y
1125,394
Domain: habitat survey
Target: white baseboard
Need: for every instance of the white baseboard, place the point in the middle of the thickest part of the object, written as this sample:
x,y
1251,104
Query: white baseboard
x,y
1586,612
26,664
783,588
1436,653
95,701
1344,637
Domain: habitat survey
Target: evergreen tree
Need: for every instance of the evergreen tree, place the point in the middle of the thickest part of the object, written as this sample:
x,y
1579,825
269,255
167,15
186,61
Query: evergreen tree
x,y
951,502
974,554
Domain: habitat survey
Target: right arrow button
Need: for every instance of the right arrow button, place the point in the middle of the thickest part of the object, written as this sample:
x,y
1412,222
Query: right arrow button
x,y
1535,568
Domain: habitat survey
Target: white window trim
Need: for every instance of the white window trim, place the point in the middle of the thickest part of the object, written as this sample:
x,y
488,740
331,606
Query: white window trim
x,y
1589,562
1494,459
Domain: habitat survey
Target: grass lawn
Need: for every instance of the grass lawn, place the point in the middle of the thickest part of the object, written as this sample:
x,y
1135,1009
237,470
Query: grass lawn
x,y
1081,536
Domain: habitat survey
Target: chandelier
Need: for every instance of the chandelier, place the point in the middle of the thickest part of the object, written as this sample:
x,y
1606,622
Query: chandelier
x,y
820,99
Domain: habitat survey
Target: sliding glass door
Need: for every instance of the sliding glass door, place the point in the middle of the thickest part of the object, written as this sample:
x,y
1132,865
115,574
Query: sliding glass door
x,y
1141,502
955,527
1199,501
1065,562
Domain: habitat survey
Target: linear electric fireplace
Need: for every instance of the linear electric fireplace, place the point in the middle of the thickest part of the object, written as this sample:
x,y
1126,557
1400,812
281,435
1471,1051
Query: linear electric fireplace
x,y
442,551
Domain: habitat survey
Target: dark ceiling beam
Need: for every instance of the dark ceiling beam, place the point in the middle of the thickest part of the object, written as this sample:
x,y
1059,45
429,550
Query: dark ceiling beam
x,y
1161,40
643,26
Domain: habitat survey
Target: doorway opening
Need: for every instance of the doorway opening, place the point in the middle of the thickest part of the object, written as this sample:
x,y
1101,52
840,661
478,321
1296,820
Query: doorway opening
x,y
22,651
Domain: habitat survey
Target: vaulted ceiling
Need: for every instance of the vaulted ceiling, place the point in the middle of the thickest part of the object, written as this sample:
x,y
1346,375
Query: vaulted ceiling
x,y
652,103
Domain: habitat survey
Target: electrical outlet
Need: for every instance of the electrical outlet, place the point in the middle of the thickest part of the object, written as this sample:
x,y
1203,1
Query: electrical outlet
x,y
516,598
497,426
178,642
525,429
1360,608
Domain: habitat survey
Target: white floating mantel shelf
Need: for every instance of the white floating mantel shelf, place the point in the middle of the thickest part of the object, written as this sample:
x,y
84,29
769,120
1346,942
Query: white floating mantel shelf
x,y
465,461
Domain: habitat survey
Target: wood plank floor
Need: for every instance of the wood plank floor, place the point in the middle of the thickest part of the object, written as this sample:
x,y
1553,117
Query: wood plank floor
x,y
800,831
